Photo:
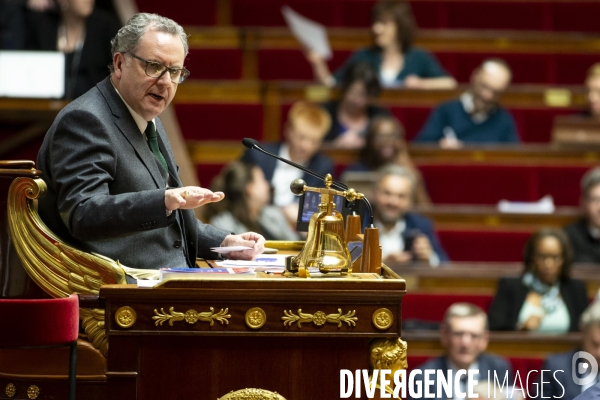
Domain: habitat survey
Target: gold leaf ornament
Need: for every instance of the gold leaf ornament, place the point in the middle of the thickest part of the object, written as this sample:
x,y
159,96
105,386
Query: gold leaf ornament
x,y
319,318
191,316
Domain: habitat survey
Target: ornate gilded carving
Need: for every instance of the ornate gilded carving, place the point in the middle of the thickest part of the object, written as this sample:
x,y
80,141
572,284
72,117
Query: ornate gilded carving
x,y
256,317
125,317
383,318
388,354
33,392
319,318
10,390
191,316
252,394
58,268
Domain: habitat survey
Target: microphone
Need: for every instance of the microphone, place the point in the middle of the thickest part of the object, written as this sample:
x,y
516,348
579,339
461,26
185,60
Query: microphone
x,y
253,145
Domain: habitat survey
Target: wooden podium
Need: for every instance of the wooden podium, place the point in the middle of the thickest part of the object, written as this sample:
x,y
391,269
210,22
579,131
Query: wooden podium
x,y
205,339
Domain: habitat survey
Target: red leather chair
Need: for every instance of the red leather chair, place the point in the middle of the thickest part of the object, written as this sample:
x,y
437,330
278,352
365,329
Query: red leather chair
x,y
37,323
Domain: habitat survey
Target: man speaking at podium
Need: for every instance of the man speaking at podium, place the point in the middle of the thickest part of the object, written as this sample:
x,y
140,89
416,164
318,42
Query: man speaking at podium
x,y
113,185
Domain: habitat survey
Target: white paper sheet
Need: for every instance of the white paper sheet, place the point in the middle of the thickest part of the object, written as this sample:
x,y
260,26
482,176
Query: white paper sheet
x,y
229,249
543,206
308,32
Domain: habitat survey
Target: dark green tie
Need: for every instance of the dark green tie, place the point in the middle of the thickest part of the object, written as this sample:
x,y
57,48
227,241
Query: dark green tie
x,y
153,143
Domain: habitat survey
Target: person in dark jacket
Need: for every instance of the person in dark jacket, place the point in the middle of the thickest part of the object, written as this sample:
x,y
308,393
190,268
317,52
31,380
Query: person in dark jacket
x,y
76,28
545,298
584,234
405,236
465,336
565,366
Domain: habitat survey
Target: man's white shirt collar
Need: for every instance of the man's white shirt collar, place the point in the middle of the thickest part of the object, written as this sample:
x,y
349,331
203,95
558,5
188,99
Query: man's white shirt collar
x,y
139,120
467,102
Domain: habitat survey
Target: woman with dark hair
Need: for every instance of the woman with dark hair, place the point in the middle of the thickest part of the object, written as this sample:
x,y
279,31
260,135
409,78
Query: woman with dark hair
x,y
385,144
545,298
246,204
392,54
351,115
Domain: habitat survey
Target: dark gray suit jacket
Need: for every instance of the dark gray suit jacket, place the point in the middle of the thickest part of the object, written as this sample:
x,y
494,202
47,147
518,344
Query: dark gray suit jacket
x,y
487,363
106,189
560,384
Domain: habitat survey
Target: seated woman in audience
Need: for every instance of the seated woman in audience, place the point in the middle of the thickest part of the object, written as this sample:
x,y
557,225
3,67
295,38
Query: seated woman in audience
x,y
246,204
385,144
392,54
352,114
74,27
545,298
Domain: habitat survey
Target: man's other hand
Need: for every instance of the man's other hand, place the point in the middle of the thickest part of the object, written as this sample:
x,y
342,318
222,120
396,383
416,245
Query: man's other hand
x,y
189,197
399,258
249,239
422,248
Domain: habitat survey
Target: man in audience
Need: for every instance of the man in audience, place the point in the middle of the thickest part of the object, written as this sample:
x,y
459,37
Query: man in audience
x,y
405,236
592,84
476,117
113,186
305,129
584,234
464,334
560,383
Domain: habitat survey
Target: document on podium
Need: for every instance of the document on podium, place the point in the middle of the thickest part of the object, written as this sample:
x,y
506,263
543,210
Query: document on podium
x,y
311,34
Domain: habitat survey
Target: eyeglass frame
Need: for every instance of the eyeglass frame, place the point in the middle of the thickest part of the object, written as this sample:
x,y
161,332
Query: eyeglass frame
x,y
184,71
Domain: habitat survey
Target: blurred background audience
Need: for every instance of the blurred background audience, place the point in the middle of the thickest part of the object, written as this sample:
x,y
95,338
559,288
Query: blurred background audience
x,y
74,27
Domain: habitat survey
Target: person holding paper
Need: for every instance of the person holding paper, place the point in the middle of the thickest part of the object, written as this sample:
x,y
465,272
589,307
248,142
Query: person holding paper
x,y
545,298
392,54
113,185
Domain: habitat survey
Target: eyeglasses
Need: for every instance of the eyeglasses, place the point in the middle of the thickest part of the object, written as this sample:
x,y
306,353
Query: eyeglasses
x,y
155,69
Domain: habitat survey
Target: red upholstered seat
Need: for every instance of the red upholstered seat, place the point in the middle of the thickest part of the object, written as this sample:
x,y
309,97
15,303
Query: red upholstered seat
x,y
213,121
214,63
39,322
185,12
492,246
488,184
42,323
431,307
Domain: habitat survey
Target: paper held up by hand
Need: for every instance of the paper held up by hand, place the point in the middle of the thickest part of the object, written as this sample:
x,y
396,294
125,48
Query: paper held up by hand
x,y
229,249
311,34
545,205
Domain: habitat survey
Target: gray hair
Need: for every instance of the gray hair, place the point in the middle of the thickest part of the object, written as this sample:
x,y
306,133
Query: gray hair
x,y
463,310
129,36
591,316
397,170
589,181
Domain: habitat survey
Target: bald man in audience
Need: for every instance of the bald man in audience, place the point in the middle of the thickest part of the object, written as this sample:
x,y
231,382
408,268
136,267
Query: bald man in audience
x,y
584,234
465,336
405,236
476,117
564,366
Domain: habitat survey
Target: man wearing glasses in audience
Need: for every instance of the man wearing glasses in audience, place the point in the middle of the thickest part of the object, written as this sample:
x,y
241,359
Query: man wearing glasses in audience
x,y
464,334
113,185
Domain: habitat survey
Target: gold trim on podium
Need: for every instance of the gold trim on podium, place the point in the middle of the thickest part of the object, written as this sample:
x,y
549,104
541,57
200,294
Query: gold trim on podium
x,y
191,316
125,317
256,318
319,318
